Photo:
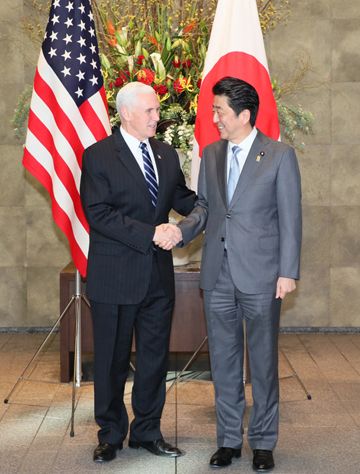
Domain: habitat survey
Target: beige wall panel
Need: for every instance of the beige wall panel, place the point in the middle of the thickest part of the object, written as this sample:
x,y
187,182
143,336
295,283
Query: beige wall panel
x,y
345,9
42,296
12,297
346,112
345,52
45,244
345,236
316,236
345,296
345,175
11,176
315,165
309,304
13,234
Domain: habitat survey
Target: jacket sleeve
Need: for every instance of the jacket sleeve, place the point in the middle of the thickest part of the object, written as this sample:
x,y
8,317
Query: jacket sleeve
x,y
288,194
184,198
195,222
103,217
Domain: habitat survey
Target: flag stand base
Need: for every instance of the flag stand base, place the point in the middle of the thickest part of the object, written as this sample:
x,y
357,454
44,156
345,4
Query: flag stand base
x,y
76,299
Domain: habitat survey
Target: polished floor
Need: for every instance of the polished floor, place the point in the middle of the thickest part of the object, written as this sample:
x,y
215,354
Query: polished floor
x,y
321,435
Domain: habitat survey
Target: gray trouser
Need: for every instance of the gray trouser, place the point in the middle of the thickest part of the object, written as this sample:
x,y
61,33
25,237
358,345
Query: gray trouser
x,y
226,307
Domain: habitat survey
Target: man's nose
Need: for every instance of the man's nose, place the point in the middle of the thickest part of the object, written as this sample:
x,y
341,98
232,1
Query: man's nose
x,y
215,117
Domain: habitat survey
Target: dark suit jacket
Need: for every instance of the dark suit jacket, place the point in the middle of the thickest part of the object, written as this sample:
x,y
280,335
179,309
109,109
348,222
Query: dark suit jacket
x,y
261,225
122,219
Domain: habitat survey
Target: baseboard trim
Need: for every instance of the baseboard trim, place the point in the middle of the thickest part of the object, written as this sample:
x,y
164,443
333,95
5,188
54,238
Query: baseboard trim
x,y
283,330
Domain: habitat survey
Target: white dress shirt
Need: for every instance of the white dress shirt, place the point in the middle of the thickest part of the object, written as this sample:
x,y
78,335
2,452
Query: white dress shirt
x,y
134,145
245,146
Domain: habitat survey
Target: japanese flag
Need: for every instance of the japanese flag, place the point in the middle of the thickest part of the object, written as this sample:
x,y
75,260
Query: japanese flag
x,y
236,48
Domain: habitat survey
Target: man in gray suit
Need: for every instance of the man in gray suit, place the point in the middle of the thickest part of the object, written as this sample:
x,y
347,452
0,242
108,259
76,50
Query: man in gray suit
x,y
250,207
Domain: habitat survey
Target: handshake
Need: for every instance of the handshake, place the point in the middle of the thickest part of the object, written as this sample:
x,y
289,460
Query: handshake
x,y
167,236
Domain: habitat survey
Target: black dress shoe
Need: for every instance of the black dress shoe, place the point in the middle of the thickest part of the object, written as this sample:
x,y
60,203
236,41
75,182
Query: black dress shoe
x,y
263,460
223,457
105,452
159,447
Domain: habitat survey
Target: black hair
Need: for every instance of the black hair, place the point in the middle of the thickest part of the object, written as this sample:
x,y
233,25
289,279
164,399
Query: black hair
x,y
240,96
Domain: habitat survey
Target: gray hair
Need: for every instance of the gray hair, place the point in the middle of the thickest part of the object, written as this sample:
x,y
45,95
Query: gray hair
x,y
128,94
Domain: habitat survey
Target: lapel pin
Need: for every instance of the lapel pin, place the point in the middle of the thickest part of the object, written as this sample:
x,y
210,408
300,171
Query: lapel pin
x,y
260,155
158,157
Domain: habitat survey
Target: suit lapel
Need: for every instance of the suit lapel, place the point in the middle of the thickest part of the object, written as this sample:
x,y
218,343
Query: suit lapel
x,y
251,165
221,154
126,157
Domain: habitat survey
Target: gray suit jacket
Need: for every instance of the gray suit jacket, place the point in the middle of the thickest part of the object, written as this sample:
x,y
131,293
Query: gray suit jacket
x,y
262,224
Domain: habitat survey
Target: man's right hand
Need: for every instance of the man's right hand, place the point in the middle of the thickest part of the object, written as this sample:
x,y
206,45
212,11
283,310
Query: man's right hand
x,y
167,236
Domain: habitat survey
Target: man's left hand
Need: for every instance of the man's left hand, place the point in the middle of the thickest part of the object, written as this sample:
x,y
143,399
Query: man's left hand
x,y
284,286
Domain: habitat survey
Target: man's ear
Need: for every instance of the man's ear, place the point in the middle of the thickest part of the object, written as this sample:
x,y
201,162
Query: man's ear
x,y
245,116
124,113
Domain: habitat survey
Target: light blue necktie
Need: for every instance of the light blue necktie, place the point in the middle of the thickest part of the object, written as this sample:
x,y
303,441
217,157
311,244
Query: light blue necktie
x,y
150,175
234,172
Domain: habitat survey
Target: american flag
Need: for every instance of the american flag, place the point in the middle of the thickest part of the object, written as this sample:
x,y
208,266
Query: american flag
x,y
68,113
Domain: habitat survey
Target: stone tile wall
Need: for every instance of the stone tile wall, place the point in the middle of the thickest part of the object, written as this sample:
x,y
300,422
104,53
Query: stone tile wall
x,y
33,250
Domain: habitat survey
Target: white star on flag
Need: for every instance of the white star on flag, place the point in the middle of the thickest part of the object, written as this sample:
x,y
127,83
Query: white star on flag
x,y
53,36
81,41
66,71
81,58
67,39
80,75
68,22
66,55
55,19
70,6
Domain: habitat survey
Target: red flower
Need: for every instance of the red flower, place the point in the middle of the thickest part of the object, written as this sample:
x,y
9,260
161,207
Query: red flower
x,y
176,62
110,27
178,87
112,42
189,27
111,85
146,76
153,40
160,89
119,81
187,63
140,59
198,83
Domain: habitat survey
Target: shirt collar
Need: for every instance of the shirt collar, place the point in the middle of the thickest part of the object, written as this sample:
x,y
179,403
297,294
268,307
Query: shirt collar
x,y
246,144
131,140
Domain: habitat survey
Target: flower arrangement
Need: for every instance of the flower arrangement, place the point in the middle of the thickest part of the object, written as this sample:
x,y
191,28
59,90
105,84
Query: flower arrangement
x,y
161,45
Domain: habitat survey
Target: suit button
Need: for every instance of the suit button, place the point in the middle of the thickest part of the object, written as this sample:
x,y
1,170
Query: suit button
x,y
222,239
228,216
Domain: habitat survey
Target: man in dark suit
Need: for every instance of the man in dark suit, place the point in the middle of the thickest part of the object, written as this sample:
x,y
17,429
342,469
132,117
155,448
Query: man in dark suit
x,y
249,203
129,183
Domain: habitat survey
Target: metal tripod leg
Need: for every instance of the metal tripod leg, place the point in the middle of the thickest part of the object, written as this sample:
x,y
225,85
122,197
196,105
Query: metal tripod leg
x,y
39,349
76,298
308,395
188,363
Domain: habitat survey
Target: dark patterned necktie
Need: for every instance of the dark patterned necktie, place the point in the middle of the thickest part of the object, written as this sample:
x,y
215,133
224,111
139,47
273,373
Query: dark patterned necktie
x,y
150,175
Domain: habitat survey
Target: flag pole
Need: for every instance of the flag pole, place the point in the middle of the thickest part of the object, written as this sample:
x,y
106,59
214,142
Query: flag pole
x,y
77,349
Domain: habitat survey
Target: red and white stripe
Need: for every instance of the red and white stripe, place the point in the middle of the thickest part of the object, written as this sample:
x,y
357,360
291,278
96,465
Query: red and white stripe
x,y
236,48
58,133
